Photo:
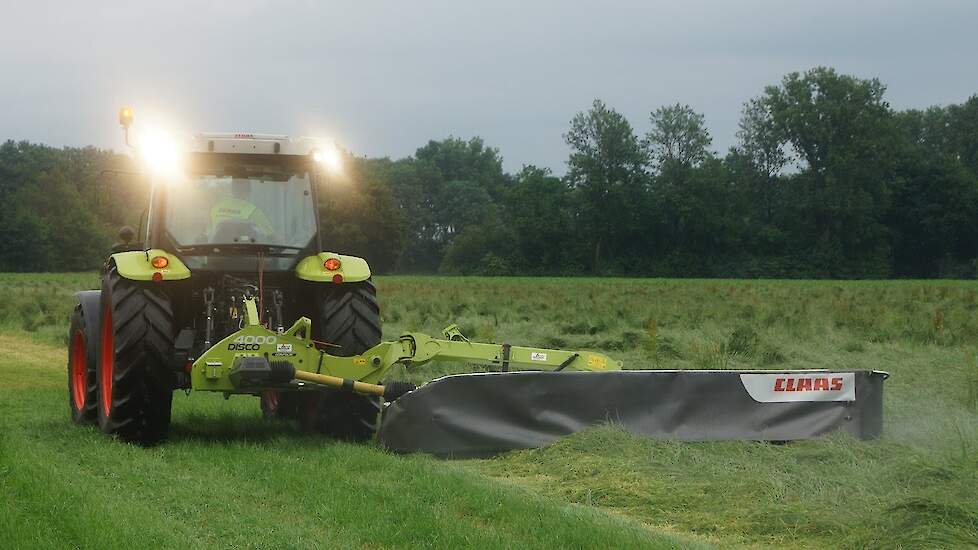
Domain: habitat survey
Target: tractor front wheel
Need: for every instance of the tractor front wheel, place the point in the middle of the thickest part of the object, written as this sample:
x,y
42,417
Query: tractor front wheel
x,y
280,405
82,387
136,337
342,415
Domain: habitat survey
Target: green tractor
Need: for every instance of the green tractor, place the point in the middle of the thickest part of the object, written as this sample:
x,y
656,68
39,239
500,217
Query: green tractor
x,y
226,287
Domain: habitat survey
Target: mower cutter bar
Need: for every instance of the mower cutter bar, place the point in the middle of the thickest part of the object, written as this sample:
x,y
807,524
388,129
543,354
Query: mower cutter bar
x,y
474,415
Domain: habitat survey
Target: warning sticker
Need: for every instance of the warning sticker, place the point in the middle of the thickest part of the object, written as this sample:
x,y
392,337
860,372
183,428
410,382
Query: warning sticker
x,y
283,348
538,356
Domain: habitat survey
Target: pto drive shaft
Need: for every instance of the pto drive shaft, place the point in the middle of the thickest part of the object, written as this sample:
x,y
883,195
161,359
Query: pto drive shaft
x,y
389,392
257,372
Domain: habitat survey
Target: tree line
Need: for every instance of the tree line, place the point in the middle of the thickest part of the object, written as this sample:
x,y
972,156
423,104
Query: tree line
x,y
826,180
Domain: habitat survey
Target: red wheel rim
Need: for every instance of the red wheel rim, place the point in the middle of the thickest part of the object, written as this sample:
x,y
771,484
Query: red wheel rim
x,y
271,400
312,407
107,360
79,374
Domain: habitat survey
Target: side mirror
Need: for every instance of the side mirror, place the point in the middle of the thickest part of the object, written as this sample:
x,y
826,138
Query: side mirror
x,y
126,234
125,244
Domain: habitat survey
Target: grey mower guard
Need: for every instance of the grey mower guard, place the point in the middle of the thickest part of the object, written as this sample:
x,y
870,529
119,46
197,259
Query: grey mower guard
x,y
481,414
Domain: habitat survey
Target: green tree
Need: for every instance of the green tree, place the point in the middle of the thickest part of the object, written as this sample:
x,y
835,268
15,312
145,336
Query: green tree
x,y
51,228
605,166
678,137
476,238
926,133
359,213
762,146
932,221
843,134
540,209
444,188
53,220
963,129
677,146
935,198
411,184
465,160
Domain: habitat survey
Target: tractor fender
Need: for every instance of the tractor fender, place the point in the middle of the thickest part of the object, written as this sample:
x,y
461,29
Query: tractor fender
x,y
91,306
135,265
313,268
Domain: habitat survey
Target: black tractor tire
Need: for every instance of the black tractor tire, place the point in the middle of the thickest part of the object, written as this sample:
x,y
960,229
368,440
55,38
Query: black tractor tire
x,y
348,319
280,405
136,339
342,415
82,386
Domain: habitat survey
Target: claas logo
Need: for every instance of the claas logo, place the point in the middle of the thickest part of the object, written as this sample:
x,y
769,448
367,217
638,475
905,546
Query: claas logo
x,y
808,383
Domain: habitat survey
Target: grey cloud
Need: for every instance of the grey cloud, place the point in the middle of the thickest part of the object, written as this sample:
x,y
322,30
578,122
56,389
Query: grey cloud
x,y
384,77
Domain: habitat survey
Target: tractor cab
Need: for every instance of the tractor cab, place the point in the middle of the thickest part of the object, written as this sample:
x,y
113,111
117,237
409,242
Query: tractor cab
x,y
229,197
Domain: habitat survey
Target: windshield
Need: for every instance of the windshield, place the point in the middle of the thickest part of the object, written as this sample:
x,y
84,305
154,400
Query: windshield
x,y
266,209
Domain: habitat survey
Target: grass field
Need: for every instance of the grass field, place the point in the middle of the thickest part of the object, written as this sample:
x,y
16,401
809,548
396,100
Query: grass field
x,y
226,478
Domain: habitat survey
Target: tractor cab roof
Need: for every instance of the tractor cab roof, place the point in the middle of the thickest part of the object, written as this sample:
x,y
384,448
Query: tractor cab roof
x,y
253,144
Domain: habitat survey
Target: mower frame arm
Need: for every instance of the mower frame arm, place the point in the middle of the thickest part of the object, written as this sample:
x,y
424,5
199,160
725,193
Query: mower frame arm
x,y
420,349
256,357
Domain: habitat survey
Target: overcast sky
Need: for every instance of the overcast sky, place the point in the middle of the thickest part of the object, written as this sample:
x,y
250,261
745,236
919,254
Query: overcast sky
x,y
382,78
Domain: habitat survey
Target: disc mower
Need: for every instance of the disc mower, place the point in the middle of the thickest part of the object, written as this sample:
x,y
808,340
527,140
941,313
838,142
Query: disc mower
x,y
227,287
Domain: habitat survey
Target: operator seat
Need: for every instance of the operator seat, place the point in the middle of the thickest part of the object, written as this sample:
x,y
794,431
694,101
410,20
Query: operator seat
x,y
234,231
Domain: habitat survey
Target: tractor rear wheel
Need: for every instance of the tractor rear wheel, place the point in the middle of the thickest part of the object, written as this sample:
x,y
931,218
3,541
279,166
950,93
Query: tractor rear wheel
x,y
135,385
82,387
348,318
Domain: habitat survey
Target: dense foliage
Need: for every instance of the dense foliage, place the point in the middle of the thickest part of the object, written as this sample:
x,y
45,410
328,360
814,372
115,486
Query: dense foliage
x,y
826,180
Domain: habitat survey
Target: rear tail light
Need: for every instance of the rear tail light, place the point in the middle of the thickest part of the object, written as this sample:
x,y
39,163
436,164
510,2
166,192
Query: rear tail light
x,y
332,264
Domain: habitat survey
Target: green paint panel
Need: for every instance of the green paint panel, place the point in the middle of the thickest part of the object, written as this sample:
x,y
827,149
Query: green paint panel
x,y
211,371
352,269
135,265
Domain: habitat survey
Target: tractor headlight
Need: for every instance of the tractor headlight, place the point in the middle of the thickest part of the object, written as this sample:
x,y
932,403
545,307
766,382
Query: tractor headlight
x,y
329,158
159,152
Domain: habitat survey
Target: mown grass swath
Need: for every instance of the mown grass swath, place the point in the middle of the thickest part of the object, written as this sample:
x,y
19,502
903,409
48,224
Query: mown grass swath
x,y
915,487
227,478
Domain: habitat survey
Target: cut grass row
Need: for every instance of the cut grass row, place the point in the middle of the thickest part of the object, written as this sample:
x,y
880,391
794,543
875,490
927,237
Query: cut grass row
x,y
831,493
228,479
